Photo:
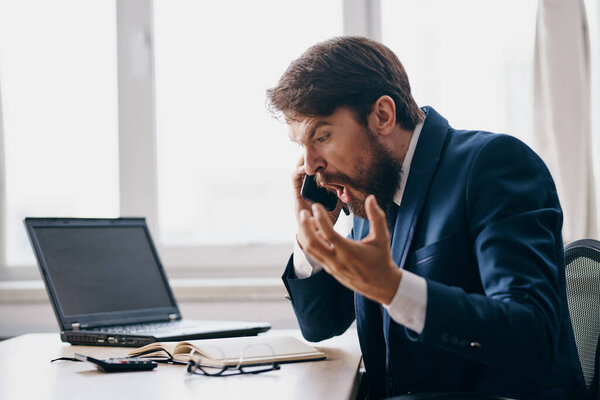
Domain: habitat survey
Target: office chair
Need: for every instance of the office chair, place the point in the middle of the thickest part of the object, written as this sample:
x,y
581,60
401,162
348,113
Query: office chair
x,y
582,259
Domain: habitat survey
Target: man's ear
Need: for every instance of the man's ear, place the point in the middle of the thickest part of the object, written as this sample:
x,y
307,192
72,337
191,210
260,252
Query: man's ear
x,y
383,116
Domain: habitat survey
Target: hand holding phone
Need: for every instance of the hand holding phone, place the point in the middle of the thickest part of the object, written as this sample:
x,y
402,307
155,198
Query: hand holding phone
x,y
316,194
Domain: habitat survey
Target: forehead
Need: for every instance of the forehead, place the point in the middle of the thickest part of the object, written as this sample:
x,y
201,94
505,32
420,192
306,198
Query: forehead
x,y
302,128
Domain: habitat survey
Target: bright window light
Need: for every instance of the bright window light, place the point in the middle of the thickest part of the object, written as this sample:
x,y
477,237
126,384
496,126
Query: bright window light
x,y
471,60
224,165
58,76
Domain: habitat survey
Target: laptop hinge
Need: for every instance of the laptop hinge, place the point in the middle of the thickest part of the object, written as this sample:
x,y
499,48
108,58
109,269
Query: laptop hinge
x,y
75,326
172,317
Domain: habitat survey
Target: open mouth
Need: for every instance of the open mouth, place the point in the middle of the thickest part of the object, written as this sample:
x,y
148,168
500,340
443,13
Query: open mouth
x,y
340,190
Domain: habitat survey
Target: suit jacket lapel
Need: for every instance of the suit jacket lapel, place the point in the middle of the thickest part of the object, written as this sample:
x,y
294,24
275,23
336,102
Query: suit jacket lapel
x,y
424,163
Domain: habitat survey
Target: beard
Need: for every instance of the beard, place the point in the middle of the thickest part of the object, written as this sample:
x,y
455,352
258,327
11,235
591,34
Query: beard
x,y
378,173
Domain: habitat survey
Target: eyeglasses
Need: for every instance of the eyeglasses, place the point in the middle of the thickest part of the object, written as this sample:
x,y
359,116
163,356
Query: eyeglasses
x,y
199,365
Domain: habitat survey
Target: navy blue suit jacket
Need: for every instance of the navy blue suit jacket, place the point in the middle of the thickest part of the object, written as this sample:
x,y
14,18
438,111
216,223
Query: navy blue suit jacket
x,y
481,222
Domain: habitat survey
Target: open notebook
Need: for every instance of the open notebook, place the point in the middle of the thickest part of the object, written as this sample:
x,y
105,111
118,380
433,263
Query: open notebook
x,y
232,351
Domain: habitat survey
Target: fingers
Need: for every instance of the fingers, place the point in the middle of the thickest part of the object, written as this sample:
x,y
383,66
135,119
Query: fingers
x,y
325,225
298,173
378,223
297,177
313,242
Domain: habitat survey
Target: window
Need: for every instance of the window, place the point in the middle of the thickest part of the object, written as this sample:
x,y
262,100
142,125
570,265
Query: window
x,y
58,76
471,60
224,164
220,193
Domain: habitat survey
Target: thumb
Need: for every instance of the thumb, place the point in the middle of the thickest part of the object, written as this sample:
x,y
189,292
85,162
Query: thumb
x,y
378,230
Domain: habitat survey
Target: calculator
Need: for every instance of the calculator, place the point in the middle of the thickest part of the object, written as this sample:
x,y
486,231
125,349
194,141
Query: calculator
x,y
119,364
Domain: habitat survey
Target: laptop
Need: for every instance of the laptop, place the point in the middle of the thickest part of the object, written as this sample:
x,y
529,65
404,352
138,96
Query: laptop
x,y
108,287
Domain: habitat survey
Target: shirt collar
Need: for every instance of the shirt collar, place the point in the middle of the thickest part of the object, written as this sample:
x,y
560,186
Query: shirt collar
x,y
406,163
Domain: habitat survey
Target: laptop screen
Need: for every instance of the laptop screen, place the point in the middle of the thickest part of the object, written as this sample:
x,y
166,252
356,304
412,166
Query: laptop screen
x,y
102,269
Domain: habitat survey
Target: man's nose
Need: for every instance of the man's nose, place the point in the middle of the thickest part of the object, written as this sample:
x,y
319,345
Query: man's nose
x,y
312,162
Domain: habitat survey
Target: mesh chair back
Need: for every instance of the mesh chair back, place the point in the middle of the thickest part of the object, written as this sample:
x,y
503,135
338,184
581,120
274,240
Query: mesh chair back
x,y
583,295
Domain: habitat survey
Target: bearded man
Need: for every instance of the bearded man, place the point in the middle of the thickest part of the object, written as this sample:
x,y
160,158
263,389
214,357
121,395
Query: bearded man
x,y
454,269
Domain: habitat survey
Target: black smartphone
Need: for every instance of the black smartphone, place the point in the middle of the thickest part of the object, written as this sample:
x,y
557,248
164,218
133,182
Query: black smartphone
x,y
312,192
119,364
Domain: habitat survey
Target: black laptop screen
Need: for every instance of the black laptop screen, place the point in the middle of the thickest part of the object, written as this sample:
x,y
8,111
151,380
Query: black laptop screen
x,y
102,269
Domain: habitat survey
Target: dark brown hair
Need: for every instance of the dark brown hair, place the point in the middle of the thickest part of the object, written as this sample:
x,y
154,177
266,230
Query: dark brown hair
x,y
350,71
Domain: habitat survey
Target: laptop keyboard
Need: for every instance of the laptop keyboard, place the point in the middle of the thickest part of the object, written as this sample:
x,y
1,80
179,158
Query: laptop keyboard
x,y
181,326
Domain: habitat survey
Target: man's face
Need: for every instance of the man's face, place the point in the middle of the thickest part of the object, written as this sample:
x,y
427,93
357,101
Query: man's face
x,y
347,158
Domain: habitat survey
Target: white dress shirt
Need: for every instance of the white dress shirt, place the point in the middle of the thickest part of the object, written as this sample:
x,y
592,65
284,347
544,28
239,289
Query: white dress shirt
x,y
409,305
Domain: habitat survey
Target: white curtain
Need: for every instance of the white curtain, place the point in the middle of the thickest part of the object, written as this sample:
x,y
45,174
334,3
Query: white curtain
x,y
2,187
562,133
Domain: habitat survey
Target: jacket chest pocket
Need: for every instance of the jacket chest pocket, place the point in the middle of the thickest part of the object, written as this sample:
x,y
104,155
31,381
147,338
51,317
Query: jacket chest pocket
x,y
448,261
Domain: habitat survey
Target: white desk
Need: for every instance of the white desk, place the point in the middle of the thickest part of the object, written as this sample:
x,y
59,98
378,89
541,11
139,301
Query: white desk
x,y
26,373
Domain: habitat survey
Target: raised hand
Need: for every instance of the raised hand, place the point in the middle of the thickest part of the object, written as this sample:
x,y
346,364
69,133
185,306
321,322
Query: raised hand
x,y
301,204
365,266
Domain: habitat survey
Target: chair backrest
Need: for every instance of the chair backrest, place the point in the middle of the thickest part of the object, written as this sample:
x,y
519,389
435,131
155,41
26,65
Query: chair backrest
x,y
583,295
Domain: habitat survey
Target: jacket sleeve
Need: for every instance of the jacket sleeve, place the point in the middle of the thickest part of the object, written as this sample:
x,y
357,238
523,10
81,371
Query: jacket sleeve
x,y
323,306
515,223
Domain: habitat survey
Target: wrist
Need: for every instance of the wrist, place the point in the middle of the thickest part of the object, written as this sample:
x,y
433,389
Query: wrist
x,y
391,286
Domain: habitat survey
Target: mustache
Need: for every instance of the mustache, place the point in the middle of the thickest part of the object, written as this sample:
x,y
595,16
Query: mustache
x,y
338,178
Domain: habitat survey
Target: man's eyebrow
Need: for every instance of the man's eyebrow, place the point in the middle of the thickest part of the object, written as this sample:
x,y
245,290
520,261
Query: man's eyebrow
x,y
313,129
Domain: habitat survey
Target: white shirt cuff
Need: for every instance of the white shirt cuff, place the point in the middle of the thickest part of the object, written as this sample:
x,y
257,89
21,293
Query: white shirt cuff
x,y
304,265
409,305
